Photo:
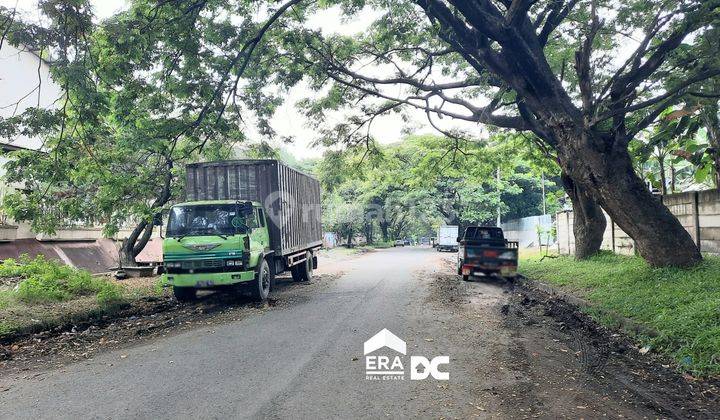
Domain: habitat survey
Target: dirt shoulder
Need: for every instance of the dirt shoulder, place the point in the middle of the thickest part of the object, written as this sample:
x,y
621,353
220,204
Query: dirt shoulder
x,y
76,330
596,368
145,319
545,358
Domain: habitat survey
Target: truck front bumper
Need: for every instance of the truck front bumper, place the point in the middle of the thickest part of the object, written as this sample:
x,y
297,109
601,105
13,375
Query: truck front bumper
x,y
202,280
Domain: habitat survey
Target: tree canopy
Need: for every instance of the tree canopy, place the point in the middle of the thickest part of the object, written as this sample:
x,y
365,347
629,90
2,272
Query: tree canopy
x,y
171,81
408,189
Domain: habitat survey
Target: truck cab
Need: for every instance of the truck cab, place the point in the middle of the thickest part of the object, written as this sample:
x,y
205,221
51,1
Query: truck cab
x,y
217,243
483,250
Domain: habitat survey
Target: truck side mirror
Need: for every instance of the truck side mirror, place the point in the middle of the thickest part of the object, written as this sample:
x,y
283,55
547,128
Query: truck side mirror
x,y
245,208
459,238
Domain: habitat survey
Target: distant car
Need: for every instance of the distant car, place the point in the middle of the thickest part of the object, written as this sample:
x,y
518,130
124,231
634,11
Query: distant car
x,y
399,242
407,242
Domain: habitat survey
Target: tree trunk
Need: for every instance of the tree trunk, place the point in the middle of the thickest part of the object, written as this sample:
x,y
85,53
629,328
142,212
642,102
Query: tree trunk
x,y
710,120
140,236
607,174
384,230
663,180
673,175
598,161
369,233
135,243
588,220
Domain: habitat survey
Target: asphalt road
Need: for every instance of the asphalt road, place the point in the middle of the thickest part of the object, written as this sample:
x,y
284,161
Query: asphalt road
x,y
305,359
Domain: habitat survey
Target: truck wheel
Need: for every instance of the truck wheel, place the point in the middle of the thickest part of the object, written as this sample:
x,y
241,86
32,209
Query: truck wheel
x,y
261,285
306,269
466,278
184,294
295,270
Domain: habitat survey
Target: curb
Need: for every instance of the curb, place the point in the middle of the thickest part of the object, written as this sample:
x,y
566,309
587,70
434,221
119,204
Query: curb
x,y
626,324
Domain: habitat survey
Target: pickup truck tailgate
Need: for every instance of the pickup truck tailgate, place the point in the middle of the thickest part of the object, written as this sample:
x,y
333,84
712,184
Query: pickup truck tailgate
x,y
502,260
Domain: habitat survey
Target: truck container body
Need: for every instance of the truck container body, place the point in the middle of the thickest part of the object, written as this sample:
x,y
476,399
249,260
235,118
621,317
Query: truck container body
x,y
447,238
291,198
243,221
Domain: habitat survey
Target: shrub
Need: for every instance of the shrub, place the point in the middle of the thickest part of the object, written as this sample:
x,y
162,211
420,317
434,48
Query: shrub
x,y
6,328
50,281
109,294
41,288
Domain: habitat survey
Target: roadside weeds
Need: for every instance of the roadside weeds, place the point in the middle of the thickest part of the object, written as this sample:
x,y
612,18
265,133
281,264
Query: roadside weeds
x,y
551,359
615,365
668,311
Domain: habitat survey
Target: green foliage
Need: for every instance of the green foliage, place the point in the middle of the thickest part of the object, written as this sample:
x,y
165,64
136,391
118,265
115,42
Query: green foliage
x,y
41,288
148,90
6,328
51,281
6,297
680,304
409,188
110,294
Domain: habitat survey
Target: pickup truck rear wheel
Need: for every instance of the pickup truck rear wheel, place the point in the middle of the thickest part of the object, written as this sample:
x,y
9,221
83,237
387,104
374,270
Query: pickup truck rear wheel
x,y
184,294
261,285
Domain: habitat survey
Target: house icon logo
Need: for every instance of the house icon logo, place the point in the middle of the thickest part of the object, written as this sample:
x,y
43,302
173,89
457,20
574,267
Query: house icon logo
x,y
385,338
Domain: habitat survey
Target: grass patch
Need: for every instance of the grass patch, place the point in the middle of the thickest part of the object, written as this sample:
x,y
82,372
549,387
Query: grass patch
x,y
381,245
682,305
5,298
39,293
43,281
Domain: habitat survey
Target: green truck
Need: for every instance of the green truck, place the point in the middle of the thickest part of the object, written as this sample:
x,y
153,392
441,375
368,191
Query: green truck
x,y
243,223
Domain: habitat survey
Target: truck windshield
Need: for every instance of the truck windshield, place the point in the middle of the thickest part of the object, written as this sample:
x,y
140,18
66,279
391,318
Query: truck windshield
x,y
199,220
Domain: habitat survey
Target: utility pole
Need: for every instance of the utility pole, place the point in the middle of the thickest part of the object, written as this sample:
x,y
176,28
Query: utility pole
x,y
542,178
498,189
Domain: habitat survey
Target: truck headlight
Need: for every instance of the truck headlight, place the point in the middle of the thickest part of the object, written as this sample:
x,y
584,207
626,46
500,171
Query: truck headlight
x,y
233,263
507,255
171,264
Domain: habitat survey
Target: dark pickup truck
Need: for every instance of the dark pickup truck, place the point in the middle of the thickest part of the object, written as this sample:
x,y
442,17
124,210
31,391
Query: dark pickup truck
x,y
484,250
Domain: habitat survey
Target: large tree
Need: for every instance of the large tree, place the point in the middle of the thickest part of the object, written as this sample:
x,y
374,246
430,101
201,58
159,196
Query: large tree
x,y
146,91
580,75
583,76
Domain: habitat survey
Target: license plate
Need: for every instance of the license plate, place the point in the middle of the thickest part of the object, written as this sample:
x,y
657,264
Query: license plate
x,y
205,283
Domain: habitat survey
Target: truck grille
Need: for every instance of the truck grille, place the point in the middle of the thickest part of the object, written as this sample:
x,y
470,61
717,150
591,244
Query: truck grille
x,y
202,266
194,265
